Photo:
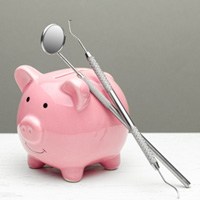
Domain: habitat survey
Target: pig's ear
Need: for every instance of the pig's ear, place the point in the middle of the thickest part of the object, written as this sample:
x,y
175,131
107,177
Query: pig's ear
x,y
24,75
78,90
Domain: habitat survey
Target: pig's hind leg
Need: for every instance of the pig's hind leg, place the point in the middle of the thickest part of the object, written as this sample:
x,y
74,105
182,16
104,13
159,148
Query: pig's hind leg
x,y
34,163
111,163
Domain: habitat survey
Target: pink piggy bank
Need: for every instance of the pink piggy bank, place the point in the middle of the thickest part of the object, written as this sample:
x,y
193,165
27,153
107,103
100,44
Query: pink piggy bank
x,y
61,124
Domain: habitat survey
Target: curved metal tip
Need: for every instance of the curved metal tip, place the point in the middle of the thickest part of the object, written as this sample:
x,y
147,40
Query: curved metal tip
x,y
70,30
178,195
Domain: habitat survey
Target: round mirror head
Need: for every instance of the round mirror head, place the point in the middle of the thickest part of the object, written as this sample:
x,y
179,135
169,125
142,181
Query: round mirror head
x,y
52,39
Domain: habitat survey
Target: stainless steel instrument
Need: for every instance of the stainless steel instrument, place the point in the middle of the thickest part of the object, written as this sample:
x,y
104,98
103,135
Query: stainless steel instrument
x,y
148,151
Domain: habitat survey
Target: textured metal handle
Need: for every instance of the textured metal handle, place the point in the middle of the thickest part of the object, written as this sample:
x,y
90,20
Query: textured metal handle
x,y
143,145
97,69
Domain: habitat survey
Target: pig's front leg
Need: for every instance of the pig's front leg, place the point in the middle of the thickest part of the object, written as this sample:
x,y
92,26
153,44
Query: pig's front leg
x,y
72,174
111,163
34,163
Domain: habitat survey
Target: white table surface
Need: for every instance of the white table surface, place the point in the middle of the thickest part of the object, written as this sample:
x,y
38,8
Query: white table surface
x,y
135,179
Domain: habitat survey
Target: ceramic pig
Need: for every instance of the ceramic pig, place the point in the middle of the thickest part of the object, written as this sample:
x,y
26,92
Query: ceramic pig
x,y
61,124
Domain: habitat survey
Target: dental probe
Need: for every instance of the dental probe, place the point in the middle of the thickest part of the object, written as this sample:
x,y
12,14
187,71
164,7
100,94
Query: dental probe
x,y
128,120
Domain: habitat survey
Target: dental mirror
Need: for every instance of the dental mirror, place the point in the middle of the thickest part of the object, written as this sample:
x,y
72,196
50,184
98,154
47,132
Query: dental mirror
x,y
52,39
52,42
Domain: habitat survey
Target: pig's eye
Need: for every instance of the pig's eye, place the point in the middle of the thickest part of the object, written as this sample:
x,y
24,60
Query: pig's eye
x,y
27,99
45,105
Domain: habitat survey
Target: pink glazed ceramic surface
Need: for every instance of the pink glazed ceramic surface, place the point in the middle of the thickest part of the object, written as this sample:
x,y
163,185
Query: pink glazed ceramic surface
x,y
60,123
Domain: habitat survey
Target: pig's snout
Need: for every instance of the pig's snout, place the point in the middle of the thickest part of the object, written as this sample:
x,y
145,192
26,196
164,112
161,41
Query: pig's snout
x,y
30,129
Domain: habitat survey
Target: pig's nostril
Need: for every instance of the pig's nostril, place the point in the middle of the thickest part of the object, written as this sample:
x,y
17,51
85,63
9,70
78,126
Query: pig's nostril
x,y
29,130
23,129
